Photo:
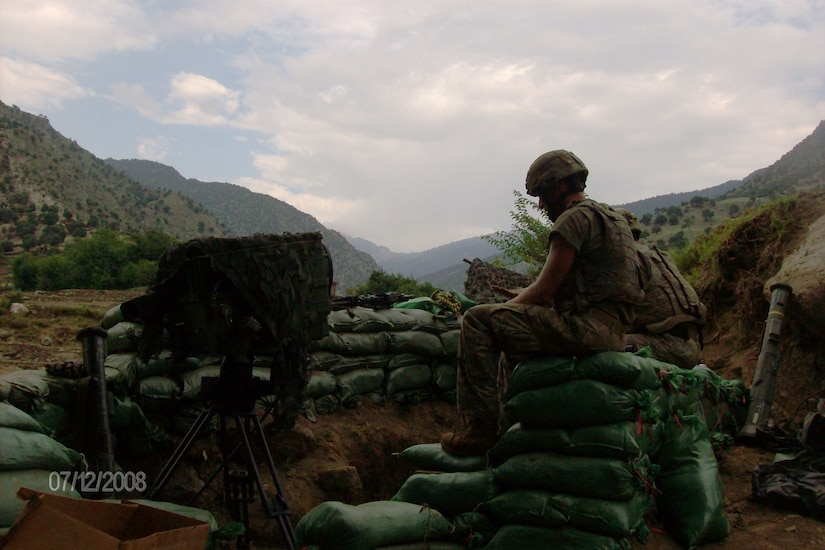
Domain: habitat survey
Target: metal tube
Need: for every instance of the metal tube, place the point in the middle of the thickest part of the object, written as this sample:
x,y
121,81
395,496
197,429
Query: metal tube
x,y
98,435
763,389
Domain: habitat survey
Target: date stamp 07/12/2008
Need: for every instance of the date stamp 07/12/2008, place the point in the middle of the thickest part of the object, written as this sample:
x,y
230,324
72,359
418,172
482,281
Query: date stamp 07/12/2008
x,y
98,482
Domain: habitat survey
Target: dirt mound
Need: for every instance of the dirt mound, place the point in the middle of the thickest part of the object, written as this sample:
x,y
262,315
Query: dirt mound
x,y
733,286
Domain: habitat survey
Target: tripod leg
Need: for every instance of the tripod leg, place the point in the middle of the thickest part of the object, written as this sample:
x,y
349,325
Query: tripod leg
x,y
184,445
276,507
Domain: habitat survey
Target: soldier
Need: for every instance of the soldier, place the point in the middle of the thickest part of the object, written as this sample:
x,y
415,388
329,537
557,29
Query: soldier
x,y
671,318
580,304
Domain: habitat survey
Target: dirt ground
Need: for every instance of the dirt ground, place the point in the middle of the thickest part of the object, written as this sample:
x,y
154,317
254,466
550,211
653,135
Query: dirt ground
x,y
349,455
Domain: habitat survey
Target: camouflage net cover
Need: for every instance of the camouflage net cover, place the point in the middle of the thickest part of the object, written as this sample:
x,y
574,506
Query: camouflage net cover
x,y
283,282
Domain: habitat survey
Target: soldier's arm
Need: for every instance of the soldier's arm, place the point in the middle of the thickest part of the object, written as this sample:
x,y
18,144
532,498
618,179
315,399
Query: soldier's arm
x,y
556,267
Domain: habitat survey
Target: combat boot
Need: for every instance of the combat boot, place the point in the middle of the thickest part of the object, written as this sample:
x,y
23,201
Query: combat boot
x,y
476,440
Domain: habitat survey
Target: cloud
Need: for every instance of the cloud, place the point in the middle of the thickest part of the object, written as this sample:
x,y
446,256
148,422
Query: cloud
x,y
192,100
34,86
66,29
154,148
201,101
410,123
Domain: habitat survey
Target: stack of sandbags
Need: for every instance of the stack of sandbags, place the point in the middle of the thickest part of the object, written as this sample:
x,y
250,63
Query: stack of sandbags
x,y
48,399
723,403
576,466
388,354
30,457
705,411
454,486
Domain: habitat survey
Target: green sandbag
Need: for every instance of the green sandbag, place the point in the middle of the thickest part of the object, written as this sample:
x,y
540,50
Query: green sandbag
x,y
541,538
445,376
433,458
112,317
27,388
450,340
622,440
584,403
620,519
21,450
158,393
359,382
127,363
124,336
474,529
427,320
46,481
348,364
192,380
411,377
449,493
12,417
416,341
162,364
55,418
321,382
358,319
326,404
605,478
425,545
323,360
353,344
625,370
405,360
691,502
333,525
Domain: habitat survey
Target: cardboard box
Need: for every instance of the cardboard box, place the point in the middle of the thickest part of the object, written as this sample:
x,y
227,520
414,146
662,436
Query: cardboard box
x,y
57,522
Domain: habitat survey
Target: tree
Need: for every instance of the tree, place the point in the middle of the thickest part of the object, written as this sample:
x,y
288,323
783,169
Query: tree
x,y
52,235
150,245
381,282
526,242
99,259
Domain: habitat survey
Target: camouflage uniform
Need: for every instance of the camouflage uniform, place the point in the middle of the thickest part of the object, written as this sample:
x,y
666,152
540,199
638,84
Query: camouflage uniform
x,y
671,318
592,309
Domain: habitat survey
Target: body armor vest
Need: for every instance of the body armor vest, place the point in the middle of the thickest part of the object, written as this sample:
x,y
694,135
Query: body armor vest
x,y
609,274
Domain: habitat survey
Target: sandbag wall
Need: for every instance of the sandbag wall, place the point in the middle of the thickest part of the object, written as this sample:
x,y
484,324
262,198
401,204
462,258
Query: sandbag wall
x,y
597,445
33,416
405,356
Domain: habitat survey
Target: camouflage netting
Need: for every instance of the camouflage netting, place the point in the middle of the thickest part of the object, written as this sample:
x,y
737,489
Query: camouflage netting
x,y
282,281
285,279
482,276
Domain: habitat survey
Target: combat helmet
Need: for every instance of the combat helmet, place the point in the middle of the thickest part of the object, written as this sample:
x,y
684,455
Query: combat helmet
x,y
552,167
632,221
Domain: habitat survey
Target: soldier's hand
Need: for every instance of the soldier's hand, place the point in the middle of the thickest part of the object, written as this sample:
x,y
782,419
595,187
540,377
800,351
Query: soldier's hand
x,y
508,292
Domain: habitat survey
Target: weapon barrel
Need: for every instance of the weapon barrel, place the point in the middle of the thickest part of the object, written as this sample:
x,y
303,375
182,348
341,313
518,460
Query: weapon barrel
x,y
98,434
763,388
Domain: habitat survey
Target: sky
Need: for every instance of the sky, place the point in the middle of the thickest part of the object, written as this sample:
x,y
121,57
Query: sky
x,y
412,123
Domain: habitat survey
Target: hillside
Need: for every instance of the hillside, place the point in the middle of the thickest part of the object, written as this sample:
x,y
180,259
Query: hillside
x,y
48,180
675,220
247,213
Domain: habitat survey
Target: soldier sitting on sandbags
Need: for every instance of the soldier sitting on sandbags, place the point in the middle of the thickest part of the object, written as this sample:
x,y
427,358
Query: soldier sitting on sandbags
x,y
580,304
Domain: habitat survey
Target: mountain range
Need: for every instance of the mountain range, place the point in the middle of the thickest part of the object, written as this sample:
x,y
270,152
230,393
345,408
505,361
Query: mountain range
x,y
39,166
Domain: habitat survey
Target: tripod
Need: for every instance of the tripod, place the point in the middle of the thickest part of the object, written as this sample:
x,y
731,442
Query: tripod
x,y
233,394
